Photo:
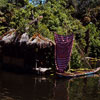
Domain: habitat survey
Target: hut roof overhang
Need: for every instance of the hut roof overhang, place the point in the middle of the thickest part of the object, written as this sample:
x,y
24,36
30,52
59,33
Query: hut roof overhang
x,y
41,41
36,39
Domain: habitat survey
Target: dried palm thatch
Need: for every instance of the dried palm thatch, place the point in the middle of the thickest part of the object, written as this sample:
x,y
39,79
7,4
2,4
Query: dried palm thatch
x,y
9,36
24,38
40,41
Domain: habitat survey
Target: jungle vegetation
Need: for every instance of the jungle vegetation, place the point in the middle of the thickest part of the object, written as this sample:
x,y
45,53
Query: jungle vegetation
x,y
80,17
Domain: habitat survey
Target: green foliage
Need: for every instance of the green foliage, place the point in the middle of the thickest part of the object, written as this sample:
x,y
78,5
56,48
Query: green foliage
x,y
57,17
94,40
3,3
83,6
76,59
20,19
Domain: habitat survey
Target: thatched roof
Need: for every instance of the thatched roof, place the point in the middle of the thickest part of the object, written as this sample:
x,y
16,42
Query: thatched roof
x,y
36,39
9,36
40,41
24,38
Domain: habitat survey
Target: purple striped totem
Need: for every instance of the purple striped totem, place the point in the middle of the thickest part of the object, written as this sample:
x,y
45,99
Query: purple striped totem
x,y
63,50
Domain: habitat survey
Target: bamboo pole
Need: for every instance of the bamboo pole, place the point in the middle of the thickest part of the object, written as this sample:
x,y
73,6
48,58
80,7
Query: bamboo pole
x,y
82,54
69,66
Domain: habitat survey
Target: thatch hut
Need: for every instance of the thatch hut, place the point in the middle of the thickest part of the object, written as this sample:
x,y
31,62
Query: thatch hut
x,y
28,54
43,51
6,38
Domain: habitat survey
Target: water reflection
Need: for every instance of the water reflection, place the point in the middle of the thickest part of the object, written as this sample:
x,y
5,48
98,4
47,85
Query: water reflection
x,y
24,87
84,88
61,90
28,87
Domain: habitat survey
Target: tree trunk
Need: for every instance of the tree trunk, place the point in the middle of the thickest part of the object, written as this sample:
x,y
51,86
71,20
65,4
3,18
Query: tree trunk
x,y
87,41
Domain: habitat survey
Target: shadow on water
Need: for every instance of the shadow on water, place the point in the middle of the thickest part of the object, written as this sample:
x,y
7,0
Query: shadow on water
x,y
28,87
24,87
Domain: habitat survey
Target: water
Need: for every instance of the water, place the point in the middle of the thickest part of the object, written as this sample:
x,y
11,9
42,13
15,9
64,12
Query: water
x,y
28,87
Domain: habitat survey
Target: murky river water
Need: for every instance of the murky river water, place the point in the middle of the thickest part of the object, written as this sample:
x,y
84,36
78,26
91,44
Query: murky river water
x,y
28,87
